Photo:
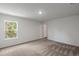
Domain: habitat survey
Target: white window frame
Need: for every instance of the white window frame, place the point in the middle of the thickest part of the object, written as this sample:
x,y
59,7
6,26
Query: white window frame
x,y
16,29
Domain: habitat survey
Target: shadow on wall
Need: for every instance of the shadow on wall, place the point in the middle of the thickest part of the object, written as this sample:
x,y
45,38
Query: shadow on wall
x,y
65,36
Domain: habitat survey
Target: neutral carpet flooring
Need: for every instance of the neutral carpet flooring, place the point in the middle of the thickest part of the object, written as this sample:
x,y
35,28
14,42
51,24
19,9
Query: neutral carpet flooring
x,y
41,47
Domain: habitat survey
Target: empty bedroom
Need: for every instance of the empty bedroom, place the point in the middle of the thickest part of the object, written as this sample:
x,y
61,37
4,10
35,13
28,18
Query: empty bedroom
x,y
39,29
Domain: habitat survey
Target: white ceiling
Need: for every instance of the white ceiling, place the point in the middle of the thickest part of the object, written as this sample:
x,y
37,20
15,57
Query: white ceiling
x,y
49,10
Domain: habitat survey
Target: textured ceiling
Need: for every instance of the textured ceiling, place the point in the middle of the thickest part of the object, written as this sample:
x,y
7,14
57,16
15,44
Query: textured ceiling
x,y
49,10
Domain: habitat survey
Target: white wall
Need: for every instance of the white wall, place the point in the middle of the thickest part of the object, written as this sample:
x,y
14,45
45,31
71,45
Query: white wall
x,y
64,30
27,30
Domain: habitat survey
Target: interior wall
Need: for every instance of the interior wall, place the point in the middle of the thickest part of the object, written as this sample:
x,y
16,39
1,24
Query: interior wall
x,y
65,30
27,30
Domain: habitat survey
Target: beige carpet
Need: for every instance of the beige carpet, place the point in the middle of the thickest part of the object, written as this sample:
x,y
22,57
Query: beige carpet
x,y
41,47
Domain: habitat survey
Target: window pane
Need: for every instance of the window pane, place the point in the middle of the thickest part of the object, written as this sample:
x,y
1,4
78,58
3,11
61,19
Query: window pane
x,y
10,29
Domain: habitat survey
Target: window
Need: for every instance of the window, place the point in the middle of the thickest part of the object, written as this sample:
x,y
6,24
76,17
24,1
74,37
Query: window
x,y
11,28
